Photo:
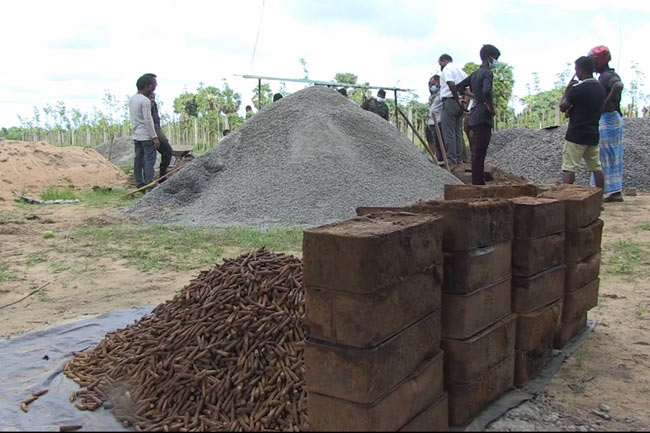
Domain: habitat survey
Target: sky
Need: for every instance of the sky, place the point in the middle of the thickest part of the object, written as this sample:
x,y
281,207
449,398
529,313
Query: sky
x,y
74,51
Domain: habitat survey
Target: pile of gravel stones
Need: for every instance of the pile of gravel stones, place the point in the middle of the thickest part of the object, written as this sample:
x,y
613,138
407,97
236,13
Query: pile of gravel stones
x,y
308,159
537,154
119,151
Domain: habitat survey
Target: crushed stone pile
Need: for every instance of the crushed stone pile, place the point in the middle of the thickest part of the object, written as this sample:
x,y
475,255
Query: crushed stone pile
x,y
225,354
28,167
307,159
537,154
120,151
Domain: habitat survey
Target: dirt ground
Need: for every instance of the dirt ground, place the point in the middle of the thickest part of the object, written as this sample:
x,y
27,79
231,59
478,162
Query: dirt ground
x,y
609,374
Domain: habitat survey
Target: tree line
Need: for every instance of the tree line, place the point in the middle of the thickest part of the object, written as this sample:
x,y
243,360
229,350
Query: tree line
x,y
202,117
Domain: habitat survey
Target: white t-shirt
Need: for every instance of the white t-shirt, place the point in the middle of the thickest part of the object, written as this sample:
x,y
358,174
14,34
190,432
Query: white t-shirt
x,y
141,120
450,73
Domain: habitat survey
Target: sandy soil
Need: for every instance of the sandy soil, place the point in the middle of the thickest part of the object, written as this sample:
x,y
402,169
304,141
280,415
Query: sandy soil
x,y
28,167
611,369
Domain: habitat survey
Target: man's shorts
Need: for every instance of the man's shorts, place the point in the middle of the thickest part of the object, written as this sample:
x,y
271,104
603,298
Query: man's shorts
x,y
574,153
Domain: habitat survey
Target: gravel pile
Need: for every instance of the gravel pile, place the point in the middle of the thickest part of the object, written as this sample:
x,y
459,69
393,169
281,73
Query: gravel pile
x,y
537,154
226,354
120,152
308,159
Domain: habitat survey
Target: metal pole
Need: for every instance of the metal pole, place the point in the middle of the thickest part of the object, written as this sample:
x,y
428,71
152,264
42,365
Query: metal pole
x,y
259,94
396,117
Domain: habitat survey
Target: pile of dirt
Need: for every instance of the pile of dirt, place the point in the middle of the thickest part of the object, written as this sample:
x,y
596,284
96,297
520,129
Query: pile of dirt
x,y
119,151
537,154
29,167
493,175
307,159
226,354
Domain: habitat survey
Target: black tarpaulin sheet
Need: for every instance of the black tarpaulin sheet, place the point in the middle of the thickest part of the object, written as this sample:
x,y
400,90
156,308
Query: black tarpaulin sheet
x,y
35,361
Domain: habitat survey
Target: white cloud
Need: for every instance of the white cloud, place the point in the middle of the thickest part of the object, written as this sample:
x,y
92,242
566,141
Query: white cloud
x,y
74,50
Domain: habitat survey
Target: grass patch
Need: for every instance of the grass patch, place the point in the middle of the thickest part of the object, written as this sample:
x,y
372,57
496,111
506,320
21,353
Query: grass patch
x,y
41,294
54,193
126,168
58,267
641,309
626,258
580,359
645,226
36,258
107,199
4,275
180,249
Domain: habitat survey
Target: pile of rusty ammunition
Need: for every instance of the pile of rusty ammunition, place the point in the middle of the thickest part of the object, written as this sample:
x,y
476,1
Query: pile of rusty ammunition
x,y
226,353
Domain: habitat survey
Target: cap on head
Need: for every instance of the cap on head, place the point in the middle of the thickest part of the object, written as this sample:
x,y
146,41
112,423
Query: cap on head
x,y
601,55
381,93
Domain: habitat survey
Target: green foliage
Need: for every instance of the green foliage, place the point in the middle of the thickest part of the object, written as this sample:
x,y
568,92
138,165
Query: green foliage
x,y
266,95
626,259
102,198
345,77
35,258
4,275
470,68
185,104
54,193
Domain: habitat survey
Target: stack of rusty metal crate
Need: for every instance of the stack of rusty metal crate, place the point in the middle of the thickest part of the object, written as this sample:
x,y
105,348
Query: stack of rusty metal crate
x,y
584,231
538,281
373,296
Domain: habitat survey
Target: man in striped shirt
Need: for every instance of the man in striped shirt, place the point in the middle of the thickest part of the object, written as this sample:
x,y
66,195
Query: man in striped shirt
x,y
145,138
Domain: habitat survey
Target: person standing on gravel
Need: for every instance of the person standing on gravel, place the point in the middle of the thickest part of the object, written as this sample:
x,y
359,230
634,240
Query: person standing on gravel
x,y
165,149
144,132
584,100
482,114
611,125
377,106
433,119
451,118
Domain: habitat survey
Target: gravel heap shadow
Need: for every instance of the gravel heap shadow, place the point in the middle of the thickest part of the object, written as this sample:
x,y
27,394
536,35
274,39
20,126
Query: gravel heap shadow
x,y
308,159
537,154
224,354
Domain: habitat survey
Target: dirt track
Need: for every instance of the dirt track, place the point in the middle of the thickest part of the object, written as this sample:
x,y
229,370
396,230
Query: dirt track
x,y
612,368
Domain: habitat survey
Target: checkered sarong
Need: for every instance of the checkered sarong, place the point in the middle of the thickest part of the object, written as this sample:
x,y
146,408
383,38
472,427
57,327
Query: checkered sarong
x,y
611,151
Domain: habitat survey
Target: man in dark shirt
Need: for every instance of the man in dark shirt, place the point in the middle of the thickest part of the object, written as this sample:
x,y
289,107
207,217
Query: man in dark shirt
x,y
482,112
585,100
165,149
377,106
611,125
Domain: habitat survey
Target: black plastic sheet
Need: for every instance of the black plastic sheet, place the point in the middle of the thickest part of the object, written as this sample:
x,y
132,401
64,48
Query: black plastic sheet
x,y
34,362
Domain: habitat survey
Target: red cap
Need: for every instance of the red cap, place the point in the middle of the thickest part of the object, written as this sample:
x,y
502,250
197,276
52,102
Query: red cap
x,y
601,55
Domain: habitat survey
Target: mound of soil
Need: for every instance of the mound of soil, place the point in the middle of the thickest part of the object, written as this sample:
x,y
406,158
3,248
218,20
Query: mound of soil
x,y
28,168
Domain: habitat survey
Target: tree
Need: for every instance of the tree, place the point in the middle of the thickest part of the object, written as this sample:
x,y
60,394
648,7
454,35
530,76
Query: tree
x,y
345,77
303,63
266,97
230,101
185,104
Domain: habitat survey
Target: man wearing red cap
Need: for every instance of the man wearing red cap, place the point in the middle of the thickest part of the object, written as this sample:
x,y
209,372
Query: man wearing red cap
x,y
611,125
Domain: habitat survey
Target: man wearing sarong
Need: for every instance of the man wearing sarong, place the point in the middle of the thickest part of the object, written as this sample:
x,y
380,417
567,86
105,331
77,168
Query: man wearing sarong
x,y
610,126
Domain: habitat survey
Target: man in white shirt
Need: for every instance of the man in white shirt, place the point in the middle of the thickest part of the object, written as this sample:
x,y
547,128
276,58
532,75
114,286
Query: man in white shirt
x,y
451,118
145,138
